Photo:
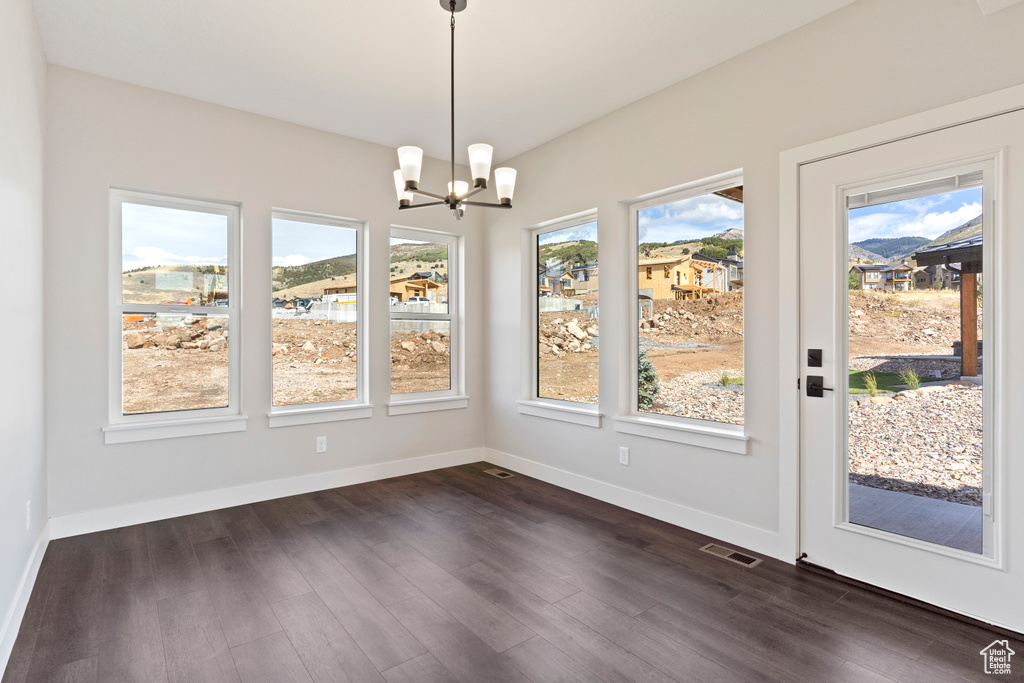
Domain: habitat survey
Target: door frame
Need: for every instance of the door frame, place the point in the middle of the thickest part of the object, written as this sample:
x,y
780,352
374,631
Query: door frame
x,y
790,357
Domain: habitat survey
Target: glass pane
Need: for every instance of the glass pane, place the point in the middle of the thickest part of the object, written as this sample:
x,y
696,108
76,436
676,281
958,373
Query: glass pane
x,y
419,276
173,256
420,356
174,362
690,273
567,332
313,311
915,403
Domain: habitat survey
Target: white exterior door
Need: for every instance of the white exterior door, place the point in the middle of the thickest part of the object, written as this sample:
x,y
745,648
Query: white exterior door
x,y
882,532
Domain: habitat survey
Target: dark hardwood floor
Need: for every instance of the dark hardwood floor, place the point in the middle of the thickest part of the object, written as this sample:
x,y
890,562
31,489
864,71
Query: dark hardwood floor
x,y
455,575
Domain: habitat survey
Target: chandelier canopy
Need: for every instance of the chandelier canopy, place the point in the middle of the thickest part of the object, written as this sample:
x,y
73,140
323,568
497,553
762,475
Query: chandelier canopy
x,y
410,162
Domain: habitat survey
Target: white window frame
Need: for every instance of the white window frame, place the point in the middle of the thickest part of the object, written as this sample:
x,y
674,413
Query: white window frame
x,y
332,411
455,396
703,433
143,427
530,402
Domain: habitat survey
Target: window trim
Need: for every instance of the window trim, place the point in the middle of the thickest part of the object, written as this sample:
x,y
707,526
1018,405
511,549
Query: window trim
x,y
455,396
705,433
530,402
168,424
330,411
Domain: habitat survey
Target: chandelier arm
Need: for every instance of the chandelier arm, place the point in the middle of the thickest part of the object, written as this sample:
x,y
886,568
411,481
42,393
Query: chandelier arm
x,y
443,198
490,204
471,193
419,206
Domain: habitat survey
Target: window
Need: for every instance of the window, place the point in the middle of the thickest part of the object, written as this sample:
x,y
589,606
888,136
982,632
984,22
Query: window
x,y
566,320
425,338
689,329
316,307
174,314
649,273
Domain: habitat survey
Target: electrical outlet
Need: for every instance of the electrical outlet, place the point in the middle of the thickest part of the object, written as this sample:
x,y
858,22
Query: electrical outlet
x,y
321,444
28,515
623,455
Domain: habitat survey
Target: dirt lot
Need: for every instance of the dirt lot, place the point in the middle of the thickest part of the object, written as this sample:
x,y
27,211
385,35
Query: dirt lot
x,y
314,361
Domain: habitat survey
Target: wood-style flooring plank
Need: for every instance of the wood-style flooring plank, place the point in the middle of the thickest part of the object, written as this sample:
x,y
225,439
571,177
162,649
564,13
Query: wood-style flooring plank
x,y
195,648
323,645
244,612
452,644
384,640
491,624
274,572
542,662
271,658
172,560
422,669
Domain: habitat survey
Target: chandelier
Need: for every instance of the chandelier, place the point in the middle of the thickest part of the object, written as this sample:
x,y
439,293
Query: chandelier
x,y
410,161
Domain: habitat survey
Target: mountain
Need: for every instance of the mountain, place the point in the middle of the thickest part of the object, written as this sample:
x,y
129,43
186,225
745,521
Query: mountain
x,y
286,277
731,234
968,229
865,255
892,248
563,250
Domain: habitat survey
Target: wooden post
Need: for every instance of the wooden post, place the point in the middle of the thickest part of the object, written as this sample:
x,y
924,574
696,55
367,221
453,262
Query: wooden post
x,y
969,324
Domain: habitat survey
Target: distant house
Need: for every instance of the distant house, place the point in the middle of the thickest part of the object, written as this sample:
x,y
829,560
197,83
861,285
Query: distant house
x,y
585,278
888,277
403,287
692,276
937,276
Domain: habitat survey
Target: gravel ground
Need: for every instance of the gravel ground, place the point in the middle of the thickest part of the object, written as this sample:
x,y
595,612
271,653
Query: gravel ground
x,y
700,395
947,369
926,443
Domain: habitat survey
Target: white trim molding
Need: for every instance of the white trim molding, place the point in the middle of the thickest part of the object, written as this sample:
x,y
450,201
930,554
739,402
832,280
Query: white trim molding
x,y
714,435
146,511
734,533
563,411
307,414
427,405
167,429
16,612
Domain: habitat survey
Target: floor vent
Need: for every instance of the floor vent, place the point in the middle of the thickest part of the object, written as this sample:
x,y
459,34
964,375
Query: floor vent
x,y
731,555
500,474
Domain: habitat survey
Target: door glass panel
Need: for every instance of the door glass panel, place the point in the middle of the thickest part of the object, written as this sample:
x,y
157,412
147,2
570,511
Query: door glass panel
x,y
915,364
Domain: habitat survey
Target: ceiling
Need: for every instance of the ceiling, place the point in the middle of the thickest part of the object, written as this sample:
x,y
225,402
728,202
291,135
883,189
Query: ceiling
x,y
526,71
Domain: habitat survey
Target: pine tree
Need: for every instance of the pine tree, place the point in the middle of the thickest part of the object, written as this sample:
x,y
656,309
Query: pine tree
x,y
648,382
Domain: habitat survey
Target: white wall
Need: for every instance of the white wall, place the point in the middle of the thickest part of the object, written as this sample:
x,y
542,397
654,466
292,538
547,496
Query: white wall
x,y
103,132
22,462
870,62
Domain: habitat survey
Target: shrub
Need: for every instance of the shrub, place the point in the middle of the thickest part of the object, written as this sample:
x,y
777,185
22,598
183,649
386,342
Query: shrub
x,y
911,379
647,382
724,379
871,383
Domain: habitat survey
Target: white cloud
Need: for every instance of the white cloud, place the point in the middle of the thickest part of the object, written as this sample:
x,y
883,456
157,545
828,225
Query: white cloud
x,y
929,225
291,260
704,211
155,256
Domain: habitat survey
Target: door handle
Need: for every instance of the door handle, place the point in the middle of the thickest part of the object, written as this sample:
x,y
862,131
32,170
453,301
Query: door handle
x,y
816,386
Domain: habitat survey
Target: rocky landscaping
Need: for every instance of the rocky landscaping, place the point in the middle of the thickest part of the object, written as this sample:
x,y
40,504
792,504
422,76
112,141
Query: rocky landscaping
x,y
926,442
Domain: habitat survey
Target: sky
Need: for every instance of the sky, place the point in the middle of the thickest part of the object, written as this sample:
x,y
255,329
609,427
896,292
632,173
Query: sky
x,y
154,236
297,243
924,217
689,219
587,231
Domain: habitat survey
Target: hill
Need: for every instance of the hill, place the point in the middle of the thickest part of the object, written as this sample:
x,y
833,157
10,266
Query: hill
x,y
892,248
563,250
968,229
288,277
731,234
860,254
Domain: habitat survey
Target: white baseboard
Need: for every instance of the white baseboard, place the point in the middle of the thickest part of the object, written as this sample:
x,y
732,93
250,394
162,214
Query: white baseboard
x,y
165,508
12,620
726,530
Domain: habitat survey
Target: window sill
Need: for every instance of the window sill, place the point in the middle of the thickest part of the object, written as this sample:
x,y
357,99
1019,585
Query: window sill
x,y
427,405
287,417
581,414
721,437
171,429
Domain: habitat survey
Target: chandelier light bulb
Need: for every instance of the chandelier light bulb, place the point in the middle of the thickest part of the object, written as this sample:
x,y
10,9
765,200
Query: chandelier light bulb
x,y
410,160
404,198
461,188
505,181
480,163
